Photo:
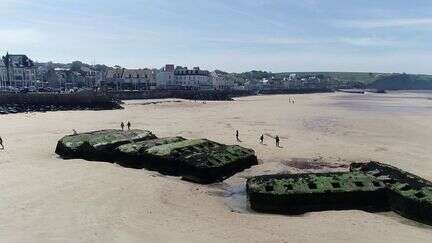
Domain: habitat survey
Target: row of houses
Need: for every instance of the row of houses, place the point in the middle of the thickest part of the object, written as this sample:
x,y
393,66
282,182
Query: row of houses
x,y
168,77
19,71
293,81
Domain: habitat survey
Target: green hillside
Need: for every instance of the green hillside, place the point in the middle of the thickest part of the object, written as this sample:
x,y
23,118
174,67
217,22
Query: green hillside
x,y
345,79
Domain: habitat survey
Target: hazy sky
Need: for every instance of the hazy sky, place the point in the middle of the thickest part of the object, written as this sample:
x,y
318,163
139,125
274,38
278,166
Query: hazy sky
x,y
232,35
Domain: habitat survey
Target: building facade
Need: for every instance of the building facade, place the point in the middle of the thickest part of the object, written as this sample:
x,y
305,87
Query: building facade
x,y
3,75
194,79
131,79
166,78
220,83
17,71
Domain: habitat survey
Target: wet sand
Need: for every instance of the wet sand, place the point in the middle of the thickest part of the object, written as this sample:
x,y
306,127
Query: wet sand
x,y
46,199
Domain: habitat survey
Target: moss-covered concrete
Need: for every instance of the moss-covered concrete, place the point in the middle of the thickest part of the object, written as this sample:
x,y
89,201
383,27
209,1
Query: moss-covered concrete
x,y
409,195
199,160
136,155
299,193
98,145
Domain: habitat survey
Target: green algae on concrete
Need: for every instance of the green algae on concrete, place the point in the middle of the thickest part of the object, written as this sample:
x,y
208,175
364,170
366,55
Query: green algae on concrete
x,y
198,160
299,193
409,195
135,154
216,162
201,160
98,145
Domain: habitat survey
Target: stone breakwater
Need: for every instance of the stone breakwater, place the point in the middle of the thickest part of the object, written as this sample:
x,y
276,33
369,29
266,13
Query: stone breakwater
x,y
42,102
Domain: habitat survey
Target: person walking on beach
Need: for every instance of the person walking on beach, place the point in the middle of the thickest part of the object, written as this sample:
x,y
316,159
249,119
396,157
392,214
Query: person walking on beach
x,y
277,141
237,135
129,125
262,139
122,126
1,143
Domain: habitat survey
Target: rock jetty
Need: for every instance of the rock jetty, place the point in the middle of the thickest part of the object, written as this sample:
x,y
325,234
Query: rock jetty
x,y
197,160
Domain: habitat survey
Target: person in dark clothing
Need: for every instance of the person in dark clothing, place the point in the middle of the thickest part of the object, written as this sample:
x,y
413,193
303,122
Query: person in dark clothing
x,y
1,143
122,125
277,141
129,125
262,139
237,135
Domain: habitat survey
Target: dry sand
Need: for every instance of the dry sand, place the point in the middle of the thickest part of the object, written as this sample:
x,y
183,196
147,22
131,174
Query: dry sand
x,y
46,199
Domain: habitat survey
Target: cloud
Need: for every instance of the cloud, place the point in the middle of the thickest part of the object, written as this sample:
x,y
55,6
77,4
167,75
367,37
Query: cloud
x,y
387,23
353,41
260,40
20,36
368,41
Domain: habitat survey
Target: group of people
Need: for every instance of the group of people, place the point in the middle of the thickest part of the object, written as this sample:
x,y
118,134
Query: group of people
x,y
277,139
128,124
292,100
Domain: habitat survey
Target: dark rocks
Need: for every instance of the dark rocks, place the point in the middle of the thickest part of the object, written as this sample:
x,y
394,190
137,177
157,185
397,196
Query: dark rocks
x,y
198,160
299,193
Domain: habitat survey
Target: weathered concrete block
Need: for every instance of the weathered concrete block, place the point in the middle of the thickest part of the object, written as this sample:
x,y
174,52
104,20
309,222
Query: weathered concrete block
x,y
300,193
98,145
198,160
409,195
202,160
135,155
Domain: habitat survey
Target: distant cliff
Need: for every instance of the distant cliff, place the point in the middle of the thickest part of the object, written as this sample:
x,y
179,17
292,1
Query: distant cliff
x,y
402,82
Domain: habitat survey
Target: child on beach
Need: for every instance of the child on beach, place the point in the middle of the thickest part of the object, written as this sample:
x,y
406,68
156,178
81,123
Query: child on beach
x,y
122,126
129,125
277,141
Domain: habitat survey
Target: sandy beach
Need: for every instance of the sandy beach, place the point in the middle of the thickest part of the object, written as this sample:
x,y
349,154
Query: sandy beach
x,y
46,199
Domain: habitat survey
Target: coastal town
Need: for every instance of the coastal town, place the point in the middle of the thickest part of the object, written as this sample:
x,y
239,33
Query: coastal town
x,y
19,73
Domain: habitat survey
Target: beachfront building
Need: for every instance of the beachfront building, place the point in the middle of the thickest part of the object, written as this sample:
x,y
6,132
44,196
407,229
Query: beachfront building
x,y
220,83
3,75
131,79
194,79
165,78
17,71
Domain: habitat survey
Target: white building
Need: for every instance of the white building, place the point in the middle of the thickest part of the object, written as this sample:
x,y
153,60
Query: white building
x,y
3,75
136,79
20,71
165,78
194,79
